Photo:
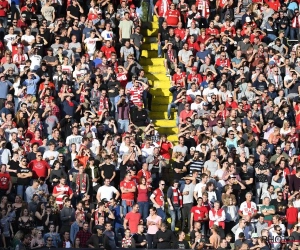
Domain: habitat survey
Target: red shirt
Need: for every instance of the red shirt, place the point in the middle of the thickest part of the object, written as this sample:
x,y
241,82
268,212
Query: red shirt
x,y
180,32
122,78
164,149
160,7
158,196
197,78
39,168
4,181
61,188
184,115
172,17
212,31
178,78
129,185
292,215
232,105
202,39
223,63
40,142
230,29
275,5
107,51
133,221
199,212
194,47
4,4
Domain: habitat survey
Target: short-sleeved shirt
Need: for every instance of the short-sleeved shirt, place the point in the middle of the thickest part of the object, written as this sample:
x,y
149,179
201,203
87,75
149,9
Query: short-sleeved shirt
x,y
133,221
199,212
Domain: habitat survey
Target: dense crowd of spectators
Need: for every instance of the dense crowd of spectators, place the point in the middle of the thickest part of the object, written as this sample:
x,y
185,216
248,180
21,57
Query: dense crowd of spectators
x,y
82,164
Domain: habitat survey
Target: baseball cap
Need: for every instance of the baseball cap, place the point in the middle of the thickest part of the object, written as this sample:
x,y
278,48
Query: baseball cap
x,y
132,6
205,104
254,235
194,68
271,63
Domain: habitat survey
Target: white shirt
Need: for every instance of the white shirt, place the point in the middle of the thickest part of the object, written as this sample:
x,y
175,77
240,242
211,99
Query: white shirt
x,y
208,92
28,39
77,139
35,62
91,45
50,153
107,192
198,188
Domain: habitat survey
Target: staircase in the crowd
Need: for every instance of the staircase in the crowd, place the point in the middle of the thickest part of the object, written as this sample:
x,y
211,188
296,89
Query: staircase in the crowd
x,y
159,82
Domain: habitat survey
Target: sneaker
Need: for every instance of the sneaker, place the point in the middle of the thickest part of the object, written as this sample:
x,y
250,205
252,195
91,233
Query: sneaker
x,y
159,56
169,117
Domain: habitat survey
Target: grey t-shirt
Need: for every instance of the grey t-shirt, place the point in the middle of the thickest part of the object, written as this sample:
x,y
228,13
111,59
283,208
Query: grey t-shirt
x,y
137,38
181,149
212,166
126,51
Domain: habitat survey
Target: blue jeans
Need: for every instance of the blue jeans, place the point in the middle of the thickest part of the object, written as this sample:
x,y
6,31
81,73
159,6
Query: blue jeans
x,y
137,54
123,125
126,208
170,106
161,213
144,209
4,21
175,216
21,191
160,45
294,32
272,37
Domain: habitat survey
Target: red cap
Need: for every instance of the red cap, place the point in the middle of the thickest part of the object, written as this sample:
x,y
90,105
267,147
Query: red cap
x,y
132,6
139,104
178,35
194,68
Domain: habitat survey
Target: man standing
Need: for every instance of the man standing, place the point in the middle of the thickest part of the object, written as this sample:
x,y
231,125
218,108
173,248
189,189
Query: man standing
x,y
107,191
262,172
39,167
60,190
199,213
133,219
136,40
5,86
128,188
5,182
157,197
164,237
84,235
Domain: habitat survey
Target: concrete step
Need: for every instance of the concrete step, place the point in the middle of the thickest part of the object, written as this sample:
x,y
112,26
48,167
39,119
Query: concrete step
x,y
167,130
156,83
173,138
155,69
165,123
150,46
160,115
149,53
159,107
150,32
152,61
150,25
162,99
160,91
150,39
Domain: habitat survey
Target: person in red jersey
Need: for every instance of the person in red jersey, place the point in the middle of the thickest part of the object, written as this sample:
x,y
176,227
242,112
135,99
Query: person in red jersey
x,y
199,213
179,31
157,197
160,9
39,167
5,182
128,188
172,16
179,77
60,190
107,49
132,219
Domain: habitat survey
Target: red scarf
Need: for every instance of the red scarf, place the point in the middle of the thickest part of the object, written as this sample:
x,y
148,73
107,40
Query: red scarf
x,y
103,104
82,96
177,197
171,55
71,104
96,217
79,184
